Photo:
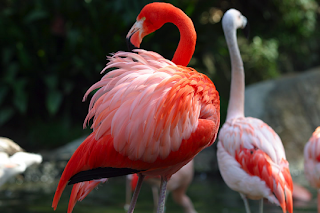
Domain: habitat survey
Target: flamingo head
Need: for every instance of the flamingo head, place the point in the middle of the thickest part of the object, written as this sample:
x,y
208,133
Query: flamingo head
x,y
234,19
152,17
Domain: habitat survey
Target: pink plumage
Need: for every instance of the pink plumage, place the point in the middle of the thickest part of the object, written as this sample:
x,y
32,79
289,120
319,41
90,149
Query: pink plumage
x,y
252,161
81,190
149,115
312,161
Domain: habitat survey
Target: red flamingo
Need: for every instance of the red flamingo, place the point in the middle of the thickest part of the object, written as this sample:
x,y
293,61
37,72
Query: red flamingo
x,y
312,162
250,154
150,116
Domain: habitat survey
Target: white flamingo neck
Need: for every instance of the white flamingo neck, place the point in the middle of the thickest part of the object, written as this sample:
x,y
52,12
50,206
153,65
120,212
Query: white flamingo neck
x,y
236,99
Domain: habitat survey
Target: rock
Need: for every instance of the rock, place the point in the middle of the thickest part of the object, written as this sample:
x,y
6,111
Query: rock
x,y
291,106
65,152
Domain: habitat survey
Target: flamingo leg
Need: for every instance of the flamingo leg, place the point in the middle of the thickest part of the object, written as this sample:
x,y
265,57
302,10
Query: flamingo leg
x,y
246,204
162,196
155,193
136,194
318,200
261,206
128,192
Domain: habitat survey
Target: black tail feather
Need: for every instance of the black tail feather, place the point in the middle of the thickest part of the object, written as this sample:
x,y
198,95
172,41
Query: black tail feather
x,y
99,173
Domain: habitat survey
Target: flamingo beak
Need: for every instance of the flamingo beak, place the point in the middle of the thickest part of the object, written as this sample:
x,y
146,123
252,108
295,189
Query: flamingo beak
x,y
134,36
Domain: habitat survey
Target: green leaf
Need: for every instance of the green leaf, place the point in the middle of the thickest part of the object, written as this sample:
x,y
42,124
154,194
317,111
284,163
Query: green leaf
x,y
7,54
11,73
51,81
20,98
5,115
53,101
20,101
3,93
35,15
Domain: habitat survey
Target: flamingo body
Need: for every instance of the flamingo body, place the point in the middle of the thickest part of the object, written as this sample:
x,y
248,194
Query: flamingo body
x,y
252,161
149,115
250,154
13,160
312,161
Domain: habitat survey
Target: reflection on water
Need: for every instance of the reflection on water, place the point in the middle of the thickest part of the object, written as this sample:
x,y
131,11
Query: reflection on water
x,y
208,195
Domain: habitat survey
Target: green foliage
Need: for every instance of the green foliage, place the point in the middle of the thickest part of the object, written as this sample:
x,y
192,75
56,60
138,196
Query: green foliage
x,y
260,59
53,51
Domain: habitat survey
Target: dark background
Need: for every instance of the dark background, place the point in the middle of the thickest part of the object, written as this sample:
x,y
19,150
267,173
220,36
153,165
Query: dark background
x,y
52,51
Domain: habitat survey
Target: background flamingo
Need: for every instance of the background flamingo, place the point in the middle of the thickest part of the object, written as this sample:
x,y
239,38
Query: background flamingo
x,y
251,156
14,160
312,162
150,116
177,185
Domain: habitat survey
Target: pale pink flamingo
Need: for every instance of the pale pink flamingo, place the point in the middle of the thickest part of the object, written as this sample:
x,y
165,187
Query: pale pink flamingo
x,y
14,160
312,162
150,116
177,185
251,156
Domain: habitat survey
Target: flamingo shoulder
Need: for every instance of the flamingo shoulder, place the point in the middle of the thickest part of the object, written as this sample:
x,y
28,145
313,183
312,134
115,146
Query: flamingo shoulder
x,y
249,133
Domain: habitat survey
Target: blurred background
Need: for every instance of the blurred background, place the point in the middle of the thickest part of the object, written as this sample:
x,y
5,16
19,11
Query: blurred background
x,y
53,51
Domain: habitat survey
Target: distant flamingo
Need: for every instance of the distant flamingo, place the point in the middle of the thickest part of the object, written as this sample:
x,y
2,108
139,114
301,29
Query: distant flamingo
x,y
14,160
251,157
177,185
312,162
151,116
8,146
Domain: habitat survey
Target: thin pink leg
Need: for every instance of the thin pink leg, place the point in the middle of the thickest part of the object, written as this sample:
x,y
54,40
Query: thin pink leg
x,y
136,194
162,197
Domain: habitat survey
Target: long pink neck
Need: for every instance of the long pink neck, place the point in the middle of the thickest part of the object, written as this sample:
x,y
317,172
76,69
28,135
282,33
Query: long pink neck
x,y
188,36
236,100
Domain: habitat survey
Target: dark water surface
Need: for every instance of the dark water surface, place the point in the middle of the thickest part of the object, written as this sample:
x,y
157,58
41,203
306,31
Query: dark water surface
x,y
208,195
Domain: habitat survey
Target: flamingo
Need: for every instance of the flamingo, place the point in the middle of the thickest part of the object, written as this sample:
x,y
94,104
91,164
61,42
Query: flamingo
x,y
251,157
14,160
312,161
150,116
177,185
8,146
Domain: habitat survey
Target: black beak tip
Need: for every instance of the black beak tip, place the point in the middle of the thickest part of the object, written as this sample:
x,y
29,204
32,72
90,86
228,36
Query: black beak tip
x,y
130,46
246,30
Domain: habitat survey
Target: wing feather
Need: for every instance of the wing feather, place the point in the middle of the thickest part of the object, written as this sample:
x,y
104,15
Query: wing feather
x,y
248,142
151,96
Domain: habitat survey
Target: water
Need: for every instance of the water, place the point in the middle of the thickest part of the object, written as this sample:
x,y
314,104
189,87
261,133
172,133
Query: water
x,y
208,195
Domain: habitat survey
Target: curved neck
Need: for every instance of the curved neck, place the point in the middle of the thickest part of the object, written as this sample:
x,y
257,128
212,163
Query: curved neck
x,y
236,100
188,36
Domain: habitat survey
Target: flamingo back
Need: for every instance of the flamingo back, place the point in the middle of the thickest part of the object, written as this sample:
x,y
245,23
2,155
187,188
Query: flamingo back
x,y
312,159
250,149
149,104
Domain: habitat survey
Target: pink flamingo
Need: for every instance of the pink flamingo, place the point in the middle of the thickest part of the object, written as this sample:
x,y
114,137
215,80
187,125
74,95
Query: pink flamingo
x,y
150,116
251,157
312,162
177,185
